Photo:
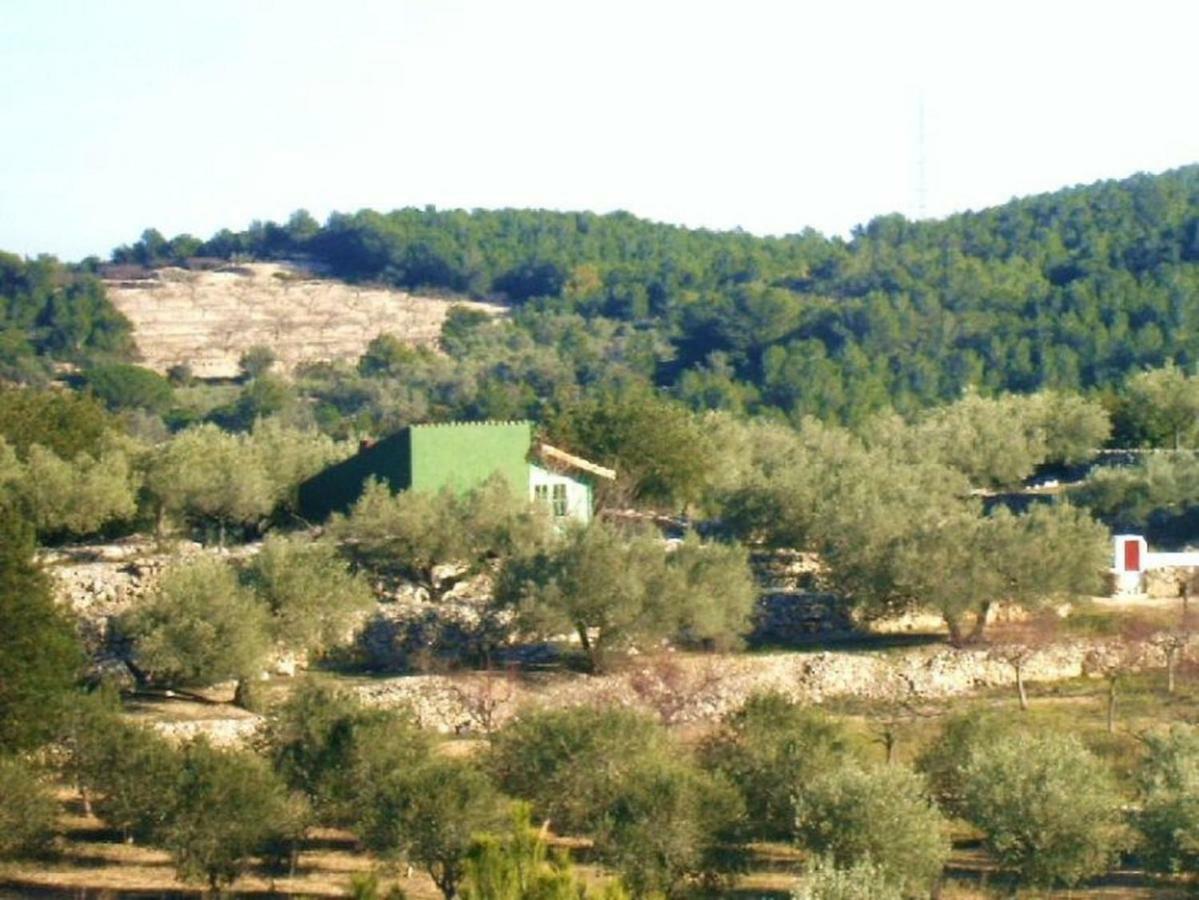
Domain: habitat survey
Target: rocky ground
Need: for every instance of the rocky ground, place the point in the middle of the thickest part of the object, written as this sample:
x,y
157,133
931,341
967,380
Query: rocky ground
x,y
689,689
208,319
100,582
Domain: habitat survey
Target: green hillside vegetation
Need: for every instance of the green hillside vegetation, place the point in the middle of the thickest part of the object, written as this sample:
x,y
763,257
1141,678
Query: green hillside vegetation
x,y
1070,290
874,408
51,312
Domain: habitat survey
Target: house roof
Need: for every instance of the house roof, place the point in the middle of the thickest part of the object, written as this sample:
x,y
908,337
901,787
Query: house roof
x,y
561,457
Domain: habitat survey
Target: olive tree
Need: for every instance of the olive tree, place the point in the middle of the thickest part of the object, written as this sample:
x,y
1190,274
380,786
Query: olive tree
x,y
999,441
125,772
943,762
617,591
879,815
1168,785
1049,809
311,594
79,496
207,475
436,539
289,456
226,806
568,763
772,481
1074,426
952,558
327,746
1163,405
1049,553
430,815
721,592
666,822
198,626
28,809
994,442
769,749
1150,493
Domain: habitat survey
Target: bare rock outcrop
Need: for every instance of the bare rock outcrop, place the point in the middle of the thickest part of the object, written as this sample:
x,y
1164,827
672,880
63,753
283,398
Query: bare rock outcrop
x,y
208,319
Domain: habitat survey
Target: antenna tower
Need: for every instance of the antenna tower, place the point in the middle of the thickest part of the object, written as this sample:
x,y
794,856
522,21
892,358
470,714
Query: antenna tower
x,y
921,160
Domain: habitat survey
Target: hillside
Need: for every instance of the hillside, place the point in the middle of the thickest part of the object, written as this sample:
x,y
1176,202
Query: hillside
x,y
1073,290
207,319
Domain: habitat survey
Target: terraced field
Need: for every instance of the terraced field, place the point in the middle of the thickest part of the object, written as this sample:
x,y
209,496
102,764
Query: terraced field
x,y
207,320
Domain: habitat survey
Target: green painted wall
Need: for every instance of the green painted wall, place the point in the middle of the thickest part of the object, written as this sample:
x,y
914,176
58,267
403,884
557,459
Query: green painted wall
x,y
337,488
463,455
425,458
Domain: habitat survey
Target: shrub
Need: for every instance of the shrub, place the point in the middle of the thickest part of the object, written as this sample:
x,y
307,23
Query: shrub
x,y
122,386
256,361
64,422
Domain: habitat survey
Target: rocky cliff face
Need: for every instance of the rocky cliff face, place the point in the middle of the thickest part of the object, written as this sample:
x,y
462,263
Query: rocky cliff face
x,y
207,320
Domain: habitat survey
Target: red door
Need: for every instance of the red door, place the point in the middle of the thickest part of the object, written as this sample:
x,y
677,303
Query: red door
x,y
1132,556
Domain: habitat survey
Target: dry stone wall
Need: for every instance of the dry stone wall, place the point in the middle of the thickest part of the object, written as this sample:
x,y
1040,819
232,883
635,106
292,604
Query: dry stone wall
x,y
692,689
100,582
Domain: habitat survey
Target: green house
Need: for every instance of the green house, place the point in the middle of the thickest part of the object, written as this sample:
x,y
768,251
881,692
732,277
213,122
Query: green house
x,y
460,456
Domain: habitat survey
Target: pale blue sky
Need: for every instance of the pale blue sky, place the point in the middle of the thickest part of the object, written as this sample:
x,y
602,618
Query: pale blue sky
x,y
771,116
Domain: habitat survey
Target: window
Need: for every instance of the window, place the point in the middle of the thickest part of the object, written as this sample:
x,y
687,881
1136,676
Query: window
x,y
541,493
559,500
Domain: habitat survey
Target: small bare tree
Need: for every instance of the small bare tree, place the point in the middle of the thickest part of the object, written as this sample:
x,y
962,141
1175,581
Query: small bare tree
x,y
1113,662
668,687
1173,644
900,712
484,698
1019,642
1173,639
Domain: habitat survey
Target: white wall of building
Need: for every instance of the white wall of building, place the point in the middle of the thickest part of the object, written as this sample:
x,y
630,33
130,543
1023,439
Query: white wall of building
x,y
1130,579
578,494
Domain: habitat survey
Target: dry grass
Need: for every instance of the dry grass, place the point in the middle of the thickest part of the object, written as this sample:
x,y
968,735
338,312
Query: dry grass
x,y
91,859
